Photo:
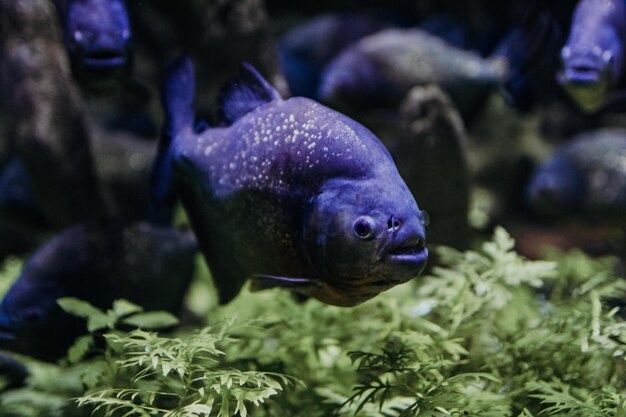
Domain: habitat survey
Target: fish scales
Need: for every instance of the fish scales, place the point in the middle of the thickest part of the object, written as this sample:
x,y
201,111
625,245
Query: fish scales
x,y
274,149
290,194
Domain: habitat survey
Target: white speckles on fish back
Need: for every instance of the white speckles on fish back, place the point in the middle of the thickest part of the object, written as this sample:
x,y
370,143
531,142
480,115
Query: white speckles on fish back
x,y
285,143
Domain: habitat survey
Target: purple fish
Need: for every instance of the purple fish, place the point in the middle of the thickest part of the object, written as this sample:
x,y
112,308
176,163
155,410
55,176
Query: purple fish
x,y
146,264
290,193
380,69
586,175
98,41
593,56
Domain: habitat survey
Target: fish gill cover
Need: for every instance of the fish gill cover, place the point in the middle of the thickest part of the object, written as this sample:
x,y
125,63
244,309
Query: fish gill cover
x,y
489,333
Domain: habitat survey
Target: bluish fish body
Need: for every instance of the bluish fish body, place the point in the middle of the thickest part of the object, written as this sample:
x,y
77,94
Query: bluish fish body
x,y
305,50
291,194
593,56
98,265
586,175
381,68
98,40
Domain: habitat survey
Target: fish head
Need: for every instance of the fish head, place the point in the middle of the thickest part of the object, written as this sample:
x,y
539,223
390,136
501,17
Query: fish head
x,y
98,40
587,76
556,187
592,58
364,237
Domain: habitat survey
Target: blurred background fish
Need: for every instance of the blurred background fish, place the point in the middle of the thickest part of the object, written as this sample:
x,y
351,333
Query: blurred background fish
x,y
149,265
593,56
98,39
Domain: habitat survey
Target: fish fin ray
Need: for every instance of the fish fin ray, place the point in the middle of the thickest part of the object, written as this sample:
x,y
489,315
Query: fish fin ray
x,y
243,94
264,281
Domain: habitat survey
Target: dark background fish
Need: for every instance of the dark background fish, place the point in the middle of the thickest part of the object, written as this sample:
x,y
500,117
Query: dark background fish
x,y
587,175
306,49
146,264
98,39
593,56
380,69
292,194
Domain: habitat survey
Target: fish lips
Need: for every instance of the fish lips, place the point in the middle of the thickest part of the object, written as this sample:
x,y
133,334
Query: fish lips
x,y
581,75
412,257
98,65
103,59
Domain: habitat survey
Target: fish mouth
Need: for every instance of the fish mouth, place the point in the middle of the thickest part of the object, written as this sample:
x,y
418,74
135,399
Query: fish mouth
x,y
582,74
106,58
414,253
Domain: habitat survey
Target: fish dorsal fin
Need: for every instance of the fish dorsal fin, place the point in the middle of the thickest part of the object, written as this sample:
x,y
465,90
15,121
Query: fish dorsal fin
x,y
243,94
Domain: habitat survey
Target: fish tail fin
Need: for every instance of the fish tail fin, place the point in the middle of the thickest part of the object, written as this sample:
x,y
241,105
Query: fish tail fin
x,y
177,98
178,95
531,50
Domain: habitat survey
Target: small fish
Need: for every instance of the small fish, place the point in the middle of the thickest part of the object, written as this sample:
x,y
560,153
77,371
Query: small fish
x,y
290,193
586,175
305,50
380,69
593,56
98,40
143,263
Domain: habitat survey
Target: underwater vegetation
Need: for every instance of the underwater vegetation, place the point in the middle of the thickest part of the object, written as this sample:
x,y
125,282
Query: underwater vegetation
x,y
488,333
336,208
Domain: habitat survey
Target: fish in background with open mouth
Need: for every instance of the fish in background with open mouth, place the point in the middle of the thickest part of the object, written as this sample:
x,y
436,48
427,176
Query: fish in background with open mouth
x,y
593,56
98,40
288,192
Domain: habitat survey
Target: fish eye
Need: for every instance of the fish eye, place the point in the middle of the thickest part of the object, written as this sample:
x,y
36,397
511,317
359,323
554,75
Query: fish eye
x,y
425,218
78,36
363,227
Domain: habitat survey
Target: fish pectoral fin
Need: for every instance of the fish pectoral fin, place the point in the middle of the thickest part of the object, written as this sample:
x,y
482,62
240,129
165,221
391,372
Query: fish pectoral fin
x,y
301,285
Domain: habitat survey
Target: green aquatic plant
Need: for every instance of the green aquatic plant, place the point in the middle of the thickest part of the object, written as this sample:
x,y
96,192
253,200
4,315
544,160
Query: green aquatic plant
x,y
487,333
